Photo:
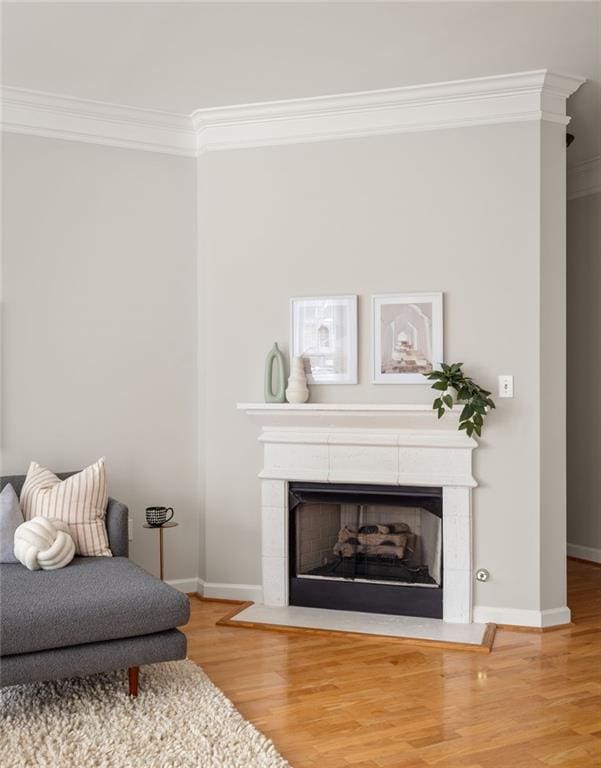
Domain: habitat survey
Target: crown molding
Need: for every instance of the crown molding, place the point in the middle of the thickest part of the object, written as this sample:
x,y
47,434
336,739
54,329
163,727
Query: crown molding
x,y
584,178
537,95
72,119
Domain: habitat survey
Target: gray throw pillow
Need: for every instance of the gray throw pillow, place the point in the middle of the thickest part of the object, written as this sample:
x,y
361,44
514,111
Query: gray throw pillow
x,y
11,518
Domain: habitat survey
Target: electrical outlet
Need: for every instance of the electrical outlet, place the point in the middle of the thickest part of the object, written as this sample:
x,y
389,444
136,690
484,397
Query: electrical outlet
x,y
130,529
505,386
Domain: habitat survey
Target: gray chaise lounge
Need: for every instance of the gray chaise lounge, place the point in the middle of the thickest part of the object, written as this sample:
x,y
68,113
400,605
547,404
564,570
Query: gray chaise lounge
x,y
95,615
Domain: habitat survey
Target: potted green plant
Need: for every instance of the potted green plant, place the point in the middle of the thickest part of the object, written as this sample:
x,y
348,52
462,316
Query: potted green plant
x,y
476,400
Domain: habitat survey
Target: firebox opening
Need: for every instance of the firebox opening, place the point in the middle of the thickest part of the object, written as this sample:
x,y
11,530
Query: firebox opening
x,y
366,547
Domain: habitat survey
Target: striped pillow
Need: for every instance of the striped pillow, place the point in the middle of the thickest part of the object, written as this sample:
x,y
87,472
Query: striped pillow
x,y
80,501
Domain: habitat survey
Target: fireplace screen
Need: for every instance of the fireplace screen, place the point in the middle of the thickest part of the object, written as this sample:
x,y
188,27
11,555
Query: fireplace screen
x,y
369,542
365,535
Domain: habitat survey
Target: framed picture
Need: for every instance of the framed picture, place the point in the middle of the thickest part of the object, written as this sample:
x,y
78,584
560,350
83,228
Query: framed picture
x,y
407,337
323,331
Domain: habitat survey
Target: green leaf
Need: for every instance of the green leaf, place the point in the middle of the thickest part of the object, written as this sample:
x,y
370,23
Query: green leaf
x,y
466,413
440,413
475,399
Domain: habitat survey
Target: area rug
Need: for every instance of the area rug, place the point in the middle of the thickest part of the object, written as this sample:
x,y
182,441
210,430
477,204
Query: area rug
x,y
179,719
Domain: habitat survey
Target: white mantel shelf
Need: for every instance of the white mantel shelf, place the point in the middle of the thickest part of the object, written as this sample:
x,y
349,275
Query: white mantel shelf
x,y
335,407
412,423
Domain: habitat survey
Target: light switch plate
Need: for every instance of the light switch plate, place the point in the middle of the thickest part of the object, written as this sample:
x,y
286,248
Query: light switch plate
x,y
505,386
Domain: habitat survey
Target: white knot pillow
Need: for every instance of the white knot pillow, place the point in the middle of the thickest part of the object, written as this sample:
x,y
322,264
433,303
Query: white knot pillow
x,y
44,542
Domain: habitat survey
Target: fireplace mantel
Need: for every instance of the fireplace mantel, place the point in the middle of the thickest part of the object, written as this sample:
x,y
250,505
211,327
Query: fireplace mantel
x,y
415,418
392,444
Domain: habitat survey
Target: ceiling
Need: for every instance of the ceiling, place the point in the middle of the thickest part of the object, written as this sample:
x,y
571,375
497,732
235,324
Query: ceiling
x,y
182,56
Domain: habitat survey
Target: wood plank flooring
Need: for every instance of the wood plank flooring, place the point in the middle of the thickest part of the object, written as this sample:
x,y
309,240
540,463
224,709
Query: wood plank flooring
x,y
334,702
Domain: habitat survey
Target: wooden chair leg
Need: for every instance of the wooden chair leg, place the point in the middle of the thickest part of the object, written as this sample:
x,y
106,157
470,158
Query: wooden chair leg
x,y
133,680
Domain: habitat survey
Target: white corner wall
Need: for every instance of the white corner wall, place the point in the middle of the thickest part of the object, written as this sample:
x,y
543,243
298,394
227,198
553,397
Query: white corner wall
x,y
461,211
552,380
99,327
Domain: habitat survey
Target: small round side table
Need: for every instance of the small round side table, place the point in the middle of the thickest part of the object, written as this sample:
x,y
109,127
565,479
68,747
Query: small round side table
x,y
160,527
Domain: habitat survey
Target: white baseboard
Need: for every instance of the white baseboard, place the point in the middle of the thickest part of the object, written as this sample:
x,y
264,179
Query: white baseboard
x,y
522,617
585,553
483,614
185,585
218,590
253,592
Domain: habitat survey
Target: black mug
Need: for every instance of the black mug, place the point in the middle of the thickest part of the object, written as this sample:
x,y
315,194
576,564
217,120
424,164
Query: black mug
x,y
157,516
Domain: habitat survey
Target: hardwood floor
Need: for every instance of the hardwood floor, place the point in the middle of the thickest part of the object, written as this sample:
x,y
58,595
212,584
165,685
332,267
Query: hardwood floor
x,y
333,702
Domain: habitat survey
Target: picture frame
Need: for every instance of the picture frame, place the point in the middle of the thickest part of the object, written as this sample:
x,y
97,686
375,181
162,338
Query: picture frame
x,y
407,337
323,331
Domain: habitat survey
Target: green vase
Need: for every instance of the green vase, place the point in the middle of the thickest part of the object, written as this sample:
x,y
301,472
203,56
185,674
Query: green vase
x,y
275,392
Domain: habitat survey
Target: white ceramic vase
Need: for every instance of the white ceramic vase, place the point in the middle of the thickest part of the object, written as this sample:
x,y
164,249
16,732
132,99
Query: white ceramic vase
x,y
297,391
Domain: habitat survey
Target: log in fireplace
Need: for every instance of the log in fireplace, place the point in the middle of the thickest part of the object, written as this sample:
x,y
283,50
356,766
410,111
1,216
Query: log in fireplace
x,y
373,548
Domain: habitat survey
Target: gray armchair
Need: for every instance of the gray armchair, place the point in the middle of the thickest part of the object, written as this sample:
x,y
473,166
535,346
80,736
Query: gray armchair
x,y
95,615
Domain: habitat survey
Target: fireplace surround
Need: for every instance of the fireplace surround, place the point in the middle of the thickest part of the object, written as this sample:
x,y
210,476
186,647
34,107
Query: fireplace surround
x,y
365,445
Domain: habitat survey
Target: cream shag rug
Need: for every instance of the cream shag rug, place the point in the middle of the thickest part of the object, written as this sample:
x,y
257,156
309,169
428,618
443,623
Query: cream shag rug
x,y
179,719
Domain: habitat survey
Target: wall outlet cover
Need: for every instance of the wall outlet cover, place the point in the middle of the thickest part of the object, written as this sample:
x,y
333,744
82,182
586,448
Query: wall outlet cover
x,y
505,386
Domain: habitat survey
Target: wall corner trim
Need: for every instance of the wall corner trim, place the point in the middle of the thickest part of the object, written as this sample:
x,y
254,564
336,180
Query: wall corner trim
x,y
224,591
584,553
522,617
53,116
185,585
536,95
218,590
584,178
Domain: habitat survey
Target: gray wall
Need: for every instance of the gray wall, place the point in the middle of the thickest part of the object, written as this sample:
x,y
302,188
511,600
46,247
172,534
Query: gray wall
x,y
584,375
456,211
99,326
150,335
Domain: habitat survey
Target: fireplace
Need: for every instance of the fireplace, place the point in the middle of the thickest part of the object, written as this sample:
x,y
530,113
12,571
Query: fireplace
x,y
400,450
372,548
